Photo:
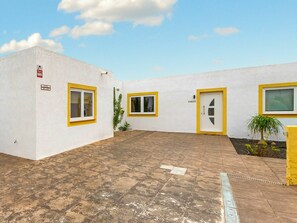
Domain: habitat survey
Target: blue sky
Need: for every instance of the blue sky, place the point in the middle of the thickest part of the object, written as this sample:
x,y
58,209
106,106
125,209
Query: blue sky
x,y
138,39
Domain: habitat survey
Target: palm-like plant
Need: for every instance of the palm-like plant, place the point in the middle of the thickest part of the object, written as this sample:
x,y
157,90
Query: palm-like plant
x,y
264,125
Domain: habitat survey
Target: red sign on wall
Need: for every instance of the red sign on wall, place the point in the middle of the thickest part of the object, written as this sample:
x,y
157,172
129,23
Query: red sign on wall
x,y
39,71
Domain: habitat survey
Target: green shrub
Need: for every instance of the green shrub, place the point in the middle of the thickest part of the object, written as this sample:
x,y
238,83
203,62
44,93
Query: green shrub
x,y
264,125
118,111
251,149
262,148
124,127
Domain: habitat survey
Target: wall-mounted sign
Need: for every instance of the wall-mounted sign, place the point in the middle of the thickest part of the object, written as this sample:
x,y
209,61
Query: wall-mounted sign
x,y
45,87
39,71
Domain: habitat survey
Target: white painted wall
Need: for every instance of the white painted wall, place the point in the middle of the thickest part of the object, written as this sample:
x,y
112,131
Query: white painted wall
x,y
17,105
53,134
177,115
38,119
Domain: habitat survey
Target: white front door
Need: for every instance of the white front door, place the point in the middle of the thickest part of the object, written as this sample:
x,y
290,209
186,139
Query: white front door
x,y
211,112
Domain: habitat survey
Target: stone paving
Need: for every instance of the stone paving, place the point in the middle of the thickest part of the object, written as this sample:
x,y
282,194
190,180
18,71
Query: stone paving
x,y
264,199
120,180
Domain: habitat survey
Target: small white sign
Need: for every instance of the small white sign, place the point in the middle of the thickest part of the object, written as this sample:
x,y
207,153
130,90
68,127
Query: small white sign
x,y
45,87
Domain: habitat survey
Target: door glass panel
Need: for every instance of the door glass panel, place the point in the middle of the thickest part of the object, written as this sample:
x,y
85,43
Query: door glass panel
x,y
148,104
211,111
75,104
135,104
279,100
212,120
88,104
212,103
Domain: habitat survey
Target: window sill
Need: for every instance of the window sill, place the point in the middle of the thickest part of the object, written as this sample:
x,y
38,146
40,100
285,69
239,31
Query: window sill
x,y
281,115
142,115
81,122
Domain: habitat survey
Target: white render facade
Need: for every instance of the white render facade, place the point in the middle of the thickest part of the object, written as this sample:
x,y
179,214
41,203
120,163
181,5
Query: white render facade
x,y
177,108
37,123
33,122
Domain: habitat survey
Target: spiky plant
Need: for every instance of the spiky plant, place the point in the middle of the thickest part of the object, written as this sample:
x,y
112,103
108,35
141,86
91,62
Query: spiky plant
x,y
124,127
118,111
264,125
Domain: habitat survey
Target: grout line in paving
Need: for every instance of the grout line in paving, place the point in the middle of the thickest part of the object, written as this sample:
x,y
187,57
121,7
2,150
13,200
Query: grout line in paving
x,y
272,171
255,179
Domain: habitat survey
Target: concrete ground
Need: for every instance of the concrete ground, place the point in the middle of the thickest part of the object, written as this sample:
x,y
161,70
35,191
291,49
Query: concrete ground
x,y
120,180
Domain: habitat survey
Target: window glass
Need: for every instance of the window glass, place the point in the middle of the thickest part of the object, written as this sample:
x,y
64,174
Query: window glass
x,y
148,104
88,104
279,100
75,104
135,104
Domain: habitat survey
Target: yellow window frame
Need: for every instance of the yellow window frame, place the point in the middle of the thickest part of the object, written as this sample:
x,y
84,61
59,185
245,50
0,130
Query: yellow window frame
x,y
140,94
81,87
210,90
261,89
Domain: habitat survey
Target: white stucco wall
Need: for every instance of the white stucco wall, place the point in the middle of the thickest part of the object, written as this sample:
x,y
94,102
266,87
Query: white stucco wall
x,y
17,105
53,134
177,115
33,123
36,119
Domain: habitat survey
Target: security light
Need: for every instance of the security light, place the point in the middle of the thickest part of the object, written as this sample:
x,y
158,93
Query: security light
x,y
104,73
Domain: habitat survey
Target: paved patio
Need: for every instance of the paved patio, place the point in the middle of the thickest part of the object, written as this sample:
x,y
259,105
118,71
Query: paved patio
x,y
120,180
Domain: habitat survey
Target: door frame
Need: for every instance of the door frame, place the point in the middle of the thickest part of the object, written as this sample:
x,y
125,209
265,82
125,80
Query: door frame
x,y
224,102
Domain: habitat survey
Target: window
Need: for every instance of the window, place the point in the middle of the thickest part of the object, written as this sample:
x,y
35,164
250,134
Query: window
x,y
135,104
278,99
81,104
143,104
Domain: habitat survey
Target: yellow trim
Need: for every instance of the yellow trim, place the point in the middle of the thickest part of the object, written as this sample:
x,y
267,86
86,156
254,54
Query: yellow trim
x,y
198,93
260,99
291,173
81,87
154,93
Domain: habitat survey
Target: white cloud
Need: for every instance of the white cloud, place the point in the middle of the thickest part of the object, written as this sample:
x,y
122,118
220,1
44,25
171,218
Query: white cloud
x,y
60,31
149,21
33,40
138,12
197,37
92,28
226,31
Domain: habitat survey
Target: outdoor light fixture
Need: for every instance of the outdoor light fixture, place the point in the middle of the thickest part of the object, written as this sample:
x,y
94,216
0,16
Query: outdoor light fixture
x,y
104,73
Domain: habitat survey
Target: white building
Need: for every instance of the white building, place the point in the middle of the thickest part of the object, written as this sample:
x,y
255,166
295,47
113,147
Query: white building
x,y
220,102
69,106
50,103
